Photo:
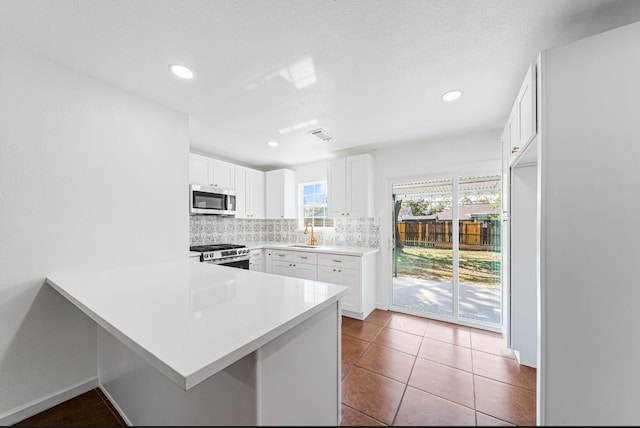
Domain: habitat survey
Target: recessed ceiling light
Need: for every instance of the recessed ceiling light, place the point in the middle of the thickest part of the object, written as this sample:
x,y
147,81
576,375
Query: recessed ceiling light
x,y
272,143
452,95
181,71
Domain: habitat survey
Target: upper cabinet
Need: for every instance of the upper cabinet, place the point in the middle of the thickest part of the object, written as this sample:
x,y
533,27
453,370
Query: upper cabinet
x,y
522,124
280,194
211,172
249,192
350,186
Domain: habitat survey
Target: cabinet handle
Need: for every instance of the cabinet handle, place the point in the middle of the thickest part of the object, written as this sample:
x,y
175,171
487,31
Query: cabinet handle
x,y
304,257
337,261
281,255
348,213
515,149
334,270
339,270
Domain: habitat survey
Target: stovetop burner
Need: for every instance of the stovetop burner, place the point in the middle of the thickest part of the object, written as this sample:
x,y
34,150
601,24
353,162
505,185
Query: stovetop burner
x,y
215,247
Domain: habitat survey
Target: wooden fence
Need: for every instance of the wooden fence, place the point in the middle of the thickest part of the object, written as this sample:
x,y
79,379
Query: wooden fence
x,y
482,235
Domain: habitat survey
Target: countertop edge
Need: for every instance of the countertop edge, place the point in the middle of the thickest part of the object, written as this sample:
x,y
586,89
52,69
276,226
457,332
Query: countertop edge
x,y
349,251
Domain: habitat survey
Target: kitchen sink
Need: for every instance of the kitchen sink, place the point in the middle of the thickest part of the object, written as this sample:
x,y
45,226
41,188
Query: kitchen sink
x,y
305,246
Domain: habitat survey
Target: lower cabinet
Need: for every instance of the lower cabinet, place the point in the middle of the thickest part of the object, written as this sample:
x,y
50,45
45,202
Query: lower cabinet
x,y
298,264
349,278
296,270
357,273
256,260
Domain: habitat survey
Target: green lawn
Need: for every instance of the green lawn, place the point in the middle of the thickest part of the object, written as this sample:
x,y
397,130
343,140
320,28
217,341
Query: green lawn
x,y
480,268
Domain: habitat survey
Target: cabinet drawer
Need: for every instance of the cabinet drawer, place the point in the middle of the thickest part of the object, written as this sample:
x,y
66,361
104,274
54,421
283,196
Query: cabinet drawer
x,y
282,255
295,256
255,254
304,257
351,262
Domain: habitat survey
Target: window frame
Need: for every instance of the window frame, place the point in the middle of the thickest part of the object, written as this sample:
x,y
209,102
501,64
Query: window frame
x,y
302,205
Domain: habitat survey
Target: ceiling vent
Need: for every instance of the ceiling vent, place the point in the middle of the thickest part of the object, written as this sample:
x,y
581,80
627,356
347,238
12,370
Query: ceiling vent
x,y
321,133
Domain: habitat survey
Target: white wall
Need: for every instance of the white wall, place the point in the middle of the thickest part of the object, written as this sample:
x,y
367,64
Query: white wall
x,y
590,295
313,171
467,154
81,164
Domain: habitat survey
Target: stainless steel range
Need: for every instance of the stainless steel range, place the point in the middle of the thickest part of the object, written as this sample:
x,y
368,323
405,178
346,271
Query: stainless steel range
x,y
232,255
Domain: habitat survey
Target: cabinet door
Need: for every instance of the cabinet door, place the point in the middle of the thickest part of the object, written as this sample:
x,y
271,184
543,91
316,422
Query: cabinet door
x,y
256,265
305,271
514,135
268,261
241,192
254,193
336,187
350,278
280,267
328,274
199,169
358,198
256,260
526,105
523,119
280,194
223,175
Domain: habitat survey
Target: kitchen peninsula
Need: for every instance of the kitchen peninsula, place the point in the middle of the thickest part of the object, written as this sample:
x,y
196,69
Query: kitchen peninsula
x,y
183,343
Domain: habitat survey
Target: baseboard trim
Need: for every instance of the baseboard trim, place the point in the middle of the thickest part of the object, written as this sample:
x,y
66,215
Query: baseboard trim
x,y
115,404
40,405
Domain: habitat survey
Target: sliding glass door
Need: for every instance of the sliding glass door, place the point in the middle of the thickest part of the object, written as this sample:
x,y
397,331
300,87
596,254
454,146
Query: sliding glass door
x,y
447,249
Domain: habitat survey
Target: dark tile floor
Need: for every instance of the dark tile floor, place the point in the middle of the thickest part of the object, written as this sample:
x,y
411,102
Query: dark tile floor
x,y
89,409
396,370
403,370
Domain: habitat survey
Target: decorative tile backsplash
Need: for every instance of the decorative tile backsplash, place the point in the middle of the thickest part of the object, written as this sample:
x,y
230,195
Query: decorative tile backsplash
x,y
349,232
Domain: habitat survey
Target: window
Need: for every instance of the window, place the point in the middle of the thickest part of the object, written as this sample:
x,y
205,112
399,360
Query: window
x,y
314,204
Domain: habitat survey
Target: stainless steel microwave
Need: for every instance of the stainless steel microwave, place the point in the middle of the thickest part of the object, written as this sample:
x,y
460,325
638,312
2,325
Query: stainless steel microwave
x,y
211,200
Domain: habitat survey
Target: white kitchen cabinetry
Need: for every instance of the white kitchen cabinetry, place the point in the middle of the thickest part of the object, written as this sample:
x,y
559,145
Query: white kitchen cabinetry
x,y
211,172
256,260
355,272
249,192
350,186
280,194
522,122
519,216
297,264
349,278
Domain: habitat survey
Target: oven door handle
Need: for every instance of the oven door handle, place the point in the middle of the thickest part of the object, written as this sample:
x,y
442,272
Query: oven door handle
x,y
228,260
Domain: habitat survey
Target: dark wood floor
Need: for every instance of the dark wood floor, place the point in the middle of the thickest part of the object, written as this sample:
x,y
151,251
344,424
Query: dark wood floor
x,y
89,409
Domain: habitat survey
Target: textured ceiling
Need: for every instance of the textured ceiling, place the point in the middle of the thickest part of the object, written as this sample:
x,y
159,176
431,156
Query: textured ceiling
x,y
370,73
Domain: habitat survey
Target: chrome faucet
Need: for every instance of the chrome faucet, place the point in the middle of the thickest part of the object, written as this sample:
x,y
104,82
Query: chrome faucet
x,y
314,241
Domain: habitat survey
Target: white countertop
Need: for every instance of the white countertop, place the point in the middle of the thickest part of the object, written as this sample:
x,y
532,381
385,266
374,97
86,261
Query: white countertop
x,y
191,320
353,251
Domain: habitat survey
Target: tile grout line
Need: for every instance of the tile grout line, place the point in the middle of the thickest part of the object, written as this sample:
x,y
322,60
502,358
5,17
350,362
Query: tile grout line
x,y
406,385
362,413
473,382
